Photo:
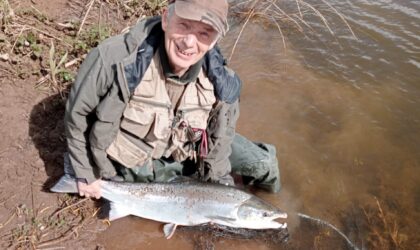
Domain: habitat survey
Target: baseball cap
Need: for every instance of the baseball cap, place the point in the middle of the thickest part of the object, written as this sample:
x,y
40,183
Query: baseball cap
x,y
212,12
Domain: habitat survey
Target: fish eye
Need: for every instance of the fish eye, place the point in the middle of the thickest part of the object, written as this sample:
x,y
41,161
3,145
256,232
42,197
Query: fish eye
x,y
266,214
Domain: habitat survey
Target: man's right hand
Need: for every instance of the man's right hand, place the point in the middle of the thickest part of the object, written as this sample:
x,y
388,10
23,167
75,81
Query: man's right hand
x,y
89,190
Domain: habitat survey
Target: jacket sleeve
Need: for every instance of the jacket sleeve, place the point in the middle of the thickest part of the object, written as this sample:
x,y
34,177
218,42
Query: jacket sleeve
x,y
221,131
222,121
227,85
85,95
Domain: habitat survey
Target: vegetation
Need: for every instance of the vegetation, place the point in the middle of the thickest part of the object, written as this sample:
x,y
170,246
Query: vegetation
x,y
44,227
290,17
33,46
382,228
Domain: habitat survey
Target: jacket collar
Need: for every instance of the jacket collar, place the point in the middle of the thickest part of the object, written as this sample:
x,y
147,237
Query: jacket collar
x,y
140,32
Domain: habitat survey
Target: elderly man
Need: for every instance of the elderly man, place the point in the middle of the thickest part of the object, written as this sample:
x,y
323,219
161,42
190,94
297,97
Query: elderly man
x,y
159,102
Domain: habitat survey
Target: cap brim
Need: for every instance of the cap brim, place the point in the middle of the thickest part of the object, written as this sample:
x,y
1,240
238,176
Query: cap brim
x,y
198,13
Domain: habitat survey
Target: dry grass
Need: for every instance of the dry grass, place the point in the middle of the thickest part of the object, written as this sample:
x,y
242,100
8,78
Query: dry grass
x,y
383,229
32,44
271,12
29,33
6,14
39,229
35,46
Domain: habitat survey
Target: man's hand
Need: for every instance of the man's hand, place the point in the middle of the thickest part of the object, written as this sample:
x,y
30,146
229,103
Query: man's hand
x,y
89,190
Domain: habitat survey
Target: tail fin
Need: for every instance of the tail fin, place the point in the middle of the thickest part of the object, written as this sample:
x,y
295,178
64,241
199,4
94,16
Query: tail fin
x,y
66,184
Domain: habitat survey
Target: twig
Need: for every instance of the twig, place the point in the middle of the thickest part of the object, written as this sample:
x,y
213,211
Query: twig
x,y
72,62
17,38
44,209
39,12
62,238
319,15
69,206
341,16
41,31
281,33
51,248
99,21
96,211
8,220
240,34
240,3
84,18
392,234
381,214
289,17
298,6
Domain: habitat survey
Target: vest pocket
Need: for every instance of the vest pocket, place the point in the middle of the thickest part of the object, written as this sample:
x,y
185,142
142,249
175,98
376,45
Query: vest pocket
x,y
197,118
161,129
137,120
127,153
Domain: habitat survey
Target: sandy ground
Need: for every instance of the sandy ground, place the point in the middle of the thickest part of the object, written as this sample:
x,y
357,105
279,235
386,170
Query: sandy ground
x,y
31,154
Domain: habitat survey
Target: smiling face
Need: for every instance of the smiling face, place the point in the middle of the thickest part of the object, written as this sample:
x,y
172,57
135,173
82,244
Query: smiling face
x,y
186,41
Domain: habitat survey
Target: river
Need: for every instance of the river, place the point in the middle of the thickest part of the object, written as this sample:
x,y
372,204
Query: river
x,y
344,114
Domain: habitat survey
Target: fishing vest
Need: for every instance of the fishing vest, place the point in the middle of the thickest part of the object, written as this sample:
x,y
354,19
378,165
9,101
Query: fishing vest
x,y
153,126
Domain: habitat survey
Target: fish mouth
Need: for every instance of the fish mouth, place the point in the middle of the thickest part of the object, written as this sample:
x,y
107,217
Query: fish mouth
x,y
277,221
276,216
280,216
275,224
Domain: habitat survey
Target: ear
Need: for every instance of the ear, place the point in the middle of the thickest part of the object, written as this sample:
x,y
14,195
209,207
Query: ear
x,y
165,19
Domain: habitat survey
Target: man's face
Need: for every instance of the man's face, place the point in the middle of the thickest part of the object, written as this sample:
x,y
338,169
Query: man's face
x,y
186,41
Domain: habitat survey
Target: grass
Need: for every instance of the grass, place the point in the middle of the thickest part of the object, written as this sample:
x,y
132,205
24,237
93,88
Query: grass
x,y
23,29
35,43
90,38
56,68
54,50
6,14
383,229
270,12
40,229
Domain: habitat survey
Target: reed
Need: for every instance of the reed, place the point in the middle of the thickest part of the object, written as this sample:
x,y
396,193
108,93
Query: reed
x,y
271,12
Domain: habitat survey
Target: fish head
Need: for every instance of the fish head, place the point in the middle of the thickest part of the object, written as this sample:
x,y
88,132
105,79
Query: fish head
x,y
258,214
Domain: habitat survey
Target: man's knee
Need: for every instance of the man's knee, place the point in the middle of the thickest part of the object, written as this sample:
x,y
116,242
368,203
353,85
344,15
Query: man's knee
x,y
256,163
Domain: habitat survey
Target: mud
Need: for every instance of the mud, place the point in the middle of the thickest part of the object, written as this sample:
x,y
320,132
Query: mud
x,y
343,114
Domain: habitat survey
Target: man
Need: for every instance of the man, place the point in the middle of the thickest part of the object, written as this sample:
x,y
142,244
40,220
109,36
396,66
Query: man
x,y
159,102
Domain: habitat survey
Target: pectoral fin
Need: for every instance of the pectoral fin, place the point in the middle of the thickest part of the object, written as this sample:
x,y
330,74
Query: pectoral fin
x,y
117,211
169,230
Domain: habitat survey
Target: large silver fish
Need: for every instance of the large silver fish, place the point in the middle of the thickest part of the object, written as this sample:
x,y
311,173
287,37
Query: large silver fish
x,y
184,202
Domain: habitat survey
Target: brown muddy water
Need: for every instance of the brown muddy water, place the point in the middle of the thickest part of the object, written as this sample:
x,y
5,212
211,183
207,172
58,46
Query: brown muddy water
x,y
344,114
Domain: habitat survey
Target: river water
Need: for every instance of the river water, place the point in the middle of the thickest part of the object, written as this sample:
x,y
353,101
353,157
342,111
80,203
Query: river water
x,y
344,114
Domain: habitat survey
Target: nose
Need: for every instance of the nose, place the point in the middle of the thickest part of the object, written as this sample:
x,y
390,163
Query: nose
x,y
190,40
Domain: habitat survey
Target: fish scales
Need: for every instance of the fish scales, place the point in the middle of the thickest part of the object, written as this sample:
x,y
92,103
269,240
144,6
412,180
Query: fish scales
x,y
183,203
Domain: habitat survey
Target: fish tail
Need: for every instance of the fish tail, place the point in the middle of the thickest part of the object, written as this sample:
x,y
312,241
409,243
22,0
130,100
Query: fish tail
x,y
66,184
